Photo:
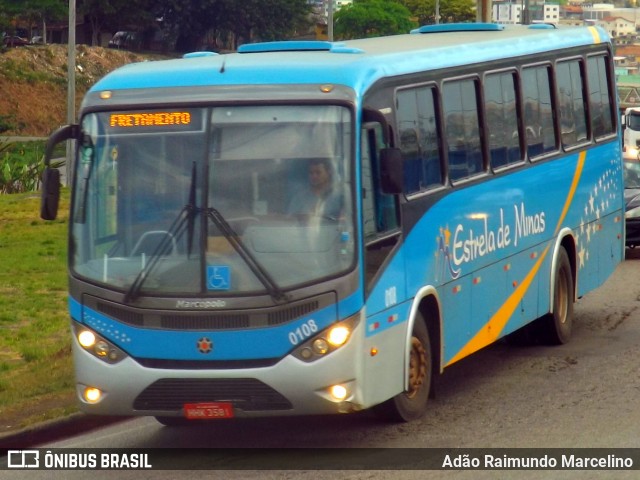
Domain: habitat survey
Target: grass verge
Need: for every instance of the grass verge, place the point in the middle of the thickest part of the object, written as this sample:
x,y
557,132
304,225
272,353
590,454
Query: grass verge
x,y
36,377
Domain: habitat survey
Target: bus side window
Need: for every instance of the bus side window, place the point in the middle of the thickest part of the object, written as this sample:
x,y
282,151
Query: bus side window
x,y
379,210
417,127
573,118
600,101
540,132
462,131
502,120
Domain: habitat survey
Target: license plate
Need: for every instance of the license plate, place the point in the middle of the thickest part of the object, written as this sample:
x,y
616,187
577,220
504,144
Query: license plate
x,y
208,411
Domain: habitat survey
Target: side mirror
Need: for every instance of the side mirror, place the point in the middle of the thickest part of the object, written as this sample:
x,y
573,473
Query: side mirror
x,y
50,198
50,195
391,171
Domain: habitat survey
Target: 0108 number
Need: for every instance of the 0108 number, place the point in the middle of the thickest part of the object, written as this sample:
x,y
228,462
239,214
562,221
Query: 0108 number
x,y
303,332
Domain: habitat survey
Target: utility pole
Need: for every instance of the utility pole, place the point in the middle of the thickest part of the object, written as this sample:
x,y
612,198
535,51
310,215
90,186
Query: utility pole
x,y
71,74
483,13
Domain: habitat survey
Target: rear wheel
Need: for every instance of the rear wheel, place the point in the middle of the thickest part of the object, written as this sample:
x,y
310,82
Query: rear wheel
x,y
412,404
557,326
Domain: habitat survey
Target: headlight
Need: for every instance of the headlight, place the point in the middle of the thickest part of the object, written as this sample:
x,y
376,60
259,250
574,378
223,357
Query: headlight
x,y
86,338
327,341
338,335
96,345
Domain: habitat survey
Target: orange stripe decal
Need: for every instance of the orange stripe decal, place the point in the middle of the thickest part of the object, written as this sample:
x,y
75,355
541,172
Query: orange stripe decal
x,y
491,331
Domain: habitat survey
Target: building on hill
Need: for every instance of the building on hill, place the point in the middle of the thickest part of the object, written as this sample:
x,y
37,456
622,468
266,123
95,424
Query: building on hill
x,y
617,26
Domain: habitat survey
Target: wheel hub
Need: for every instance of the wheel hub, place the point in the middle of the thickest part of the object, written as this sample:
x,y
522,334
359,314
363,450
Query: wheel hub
x,y
417,367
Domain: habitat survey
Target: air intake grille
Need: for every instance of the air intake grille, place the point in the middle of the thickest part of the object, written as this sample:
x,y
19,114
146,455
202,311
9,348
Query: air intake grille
x,y
212,322
246,394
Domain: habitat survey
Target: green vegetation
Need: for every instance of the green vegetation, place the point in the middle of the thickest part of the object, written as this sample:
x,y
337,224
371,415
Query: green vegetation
x,y
372,18
21,166
36,381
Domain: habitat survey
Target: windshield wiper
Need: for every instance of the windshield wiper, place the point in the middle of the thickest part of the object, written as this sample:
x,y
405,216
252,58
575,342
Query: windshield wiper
x,y
254,265
184,220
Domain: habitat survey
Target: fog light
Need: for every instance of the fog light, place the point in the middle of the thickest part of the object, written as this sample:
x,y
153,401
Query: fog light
x,y
338,335
86,338
339,392
92,394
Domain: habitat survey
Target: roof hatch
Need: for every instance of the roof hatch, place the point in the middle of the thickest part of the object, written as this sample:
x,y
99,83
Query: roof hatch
x,y
459,27
297,46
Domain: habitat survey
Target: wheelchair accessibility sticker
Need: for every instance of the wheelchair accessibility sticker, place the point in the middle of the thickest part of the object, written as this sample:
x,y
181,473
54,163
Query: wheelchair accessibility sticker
x,y
218,277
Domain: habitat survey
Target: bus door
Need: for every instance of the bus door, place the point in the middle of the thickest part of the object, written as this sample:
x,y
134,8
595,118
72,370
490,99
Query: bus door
x,y
380,211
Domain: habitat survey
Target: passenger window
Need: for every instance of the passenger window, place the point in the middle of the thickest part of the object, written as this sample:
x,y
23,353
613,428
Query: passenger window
x,y
417,127
573,118
539,131
502,119
600,101
462,130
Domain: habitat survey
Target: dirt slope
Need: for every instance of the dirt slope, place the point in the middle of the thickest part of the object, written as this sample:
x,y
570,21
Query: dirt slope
x,y
33,83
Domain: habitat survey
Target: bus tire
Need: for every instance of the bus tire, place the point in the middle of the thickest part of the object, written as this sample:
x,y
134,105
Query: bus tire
x,y
412,404
557,326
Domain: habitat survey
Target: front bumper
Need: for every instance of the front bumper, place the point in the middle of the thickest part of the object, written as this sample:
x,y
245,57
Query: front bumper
x,y
290,387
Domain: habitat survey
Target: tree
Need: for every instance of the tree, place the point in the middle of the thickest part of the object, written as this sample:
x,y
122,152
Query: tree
x,y
372,18
190,21
185,22
115,15
40,12
450,10
266,19
30,12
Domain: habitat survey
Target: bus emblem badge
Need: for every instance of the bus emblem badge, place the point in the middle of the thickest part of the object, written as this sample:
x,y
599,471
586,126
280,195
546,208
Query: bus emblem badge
x,y
204,345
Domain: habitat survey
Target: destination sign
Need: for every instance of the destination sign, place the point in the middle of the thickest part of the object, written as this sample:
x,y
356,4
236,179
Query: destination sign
x,y
149,121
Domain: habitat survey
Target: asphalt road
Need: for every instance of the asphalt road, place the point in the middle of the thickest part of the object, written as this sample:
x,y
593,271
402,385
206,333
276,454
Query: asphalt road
x,y
580,395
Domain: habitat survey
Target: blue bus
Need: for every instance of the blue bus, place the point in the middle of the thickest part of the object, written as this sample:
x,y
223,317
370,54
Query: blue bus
x,y
317,227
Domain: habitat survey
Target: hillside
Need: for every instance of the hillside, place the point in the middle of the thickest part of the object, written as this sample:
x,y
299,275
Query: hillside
x,y
33,83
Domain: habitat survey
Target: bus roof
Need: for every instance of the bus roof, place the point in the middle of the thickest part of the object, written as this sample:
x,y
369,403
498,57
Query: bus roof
x,y
354,63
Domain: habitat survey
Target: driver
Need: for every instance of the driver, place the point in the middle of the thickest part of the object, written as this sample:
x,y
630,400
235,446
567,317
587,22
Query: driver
x,y
318,198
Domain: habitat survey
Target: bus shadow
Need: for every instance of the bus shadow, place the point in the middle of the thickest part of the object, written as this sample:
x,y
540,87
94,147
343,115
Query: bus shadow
x,y
455,391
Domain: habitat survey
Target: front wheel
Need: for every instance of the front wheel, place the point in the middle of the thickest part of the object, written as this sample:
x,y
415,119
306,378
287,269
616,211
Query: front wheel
x,y
412,404
557,326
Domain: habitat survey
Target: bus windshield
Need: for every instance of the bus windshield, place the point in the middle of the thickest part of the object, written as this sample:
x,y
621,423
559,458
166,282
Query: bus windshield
x,y
219,201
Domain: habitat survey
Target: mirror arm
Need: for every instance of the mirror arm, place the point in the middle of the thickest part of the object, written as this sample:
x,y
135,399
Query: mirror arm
x,y
64,133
